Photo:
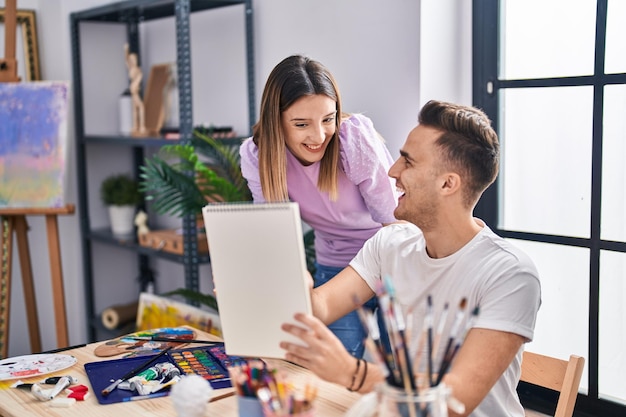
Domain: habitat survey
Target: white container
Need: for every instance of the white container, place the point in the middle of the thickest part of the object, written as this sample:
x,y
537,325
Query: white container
x,y
125,113
122,220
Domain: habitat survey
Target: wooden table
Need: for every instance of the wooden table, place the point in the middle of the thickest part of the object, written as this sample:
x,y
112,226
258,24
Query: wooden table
x,y
332,400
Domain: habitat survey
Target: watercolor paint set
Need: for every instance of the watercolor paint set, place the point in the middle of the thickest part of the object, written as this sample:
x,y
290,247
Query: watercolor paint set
x,y
210,362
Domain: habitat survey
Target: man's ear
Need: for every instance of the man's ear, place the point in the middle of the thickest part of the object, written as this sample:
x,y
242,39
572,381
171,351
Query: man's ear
x,y
451,183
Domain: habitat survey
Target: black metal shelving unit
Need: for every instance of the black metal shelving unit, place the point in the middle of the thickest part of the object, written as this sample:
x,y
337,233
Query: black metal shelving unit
x,y
132,13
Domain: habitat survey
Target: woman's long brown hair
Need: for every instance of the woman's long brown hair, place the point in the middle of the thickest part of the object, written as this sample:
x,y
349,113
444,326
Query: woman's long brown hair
x,y
294,77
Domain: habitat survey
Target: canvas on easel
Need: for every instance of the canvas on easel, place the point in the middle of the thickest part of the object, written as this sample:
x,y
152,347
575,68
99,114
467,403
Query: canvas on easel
x,y
33,136
33,132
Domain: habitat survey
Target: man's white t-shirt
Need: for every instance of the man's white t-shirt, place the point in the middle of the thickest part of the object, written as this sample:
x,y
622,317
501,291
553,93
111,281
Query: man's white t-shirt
x,y
488,272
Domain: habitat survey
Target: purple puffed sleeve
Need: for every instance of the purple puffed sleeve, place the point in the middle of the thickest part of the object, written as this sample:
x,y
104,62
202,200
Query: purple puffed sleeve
x,y
366,161
249,153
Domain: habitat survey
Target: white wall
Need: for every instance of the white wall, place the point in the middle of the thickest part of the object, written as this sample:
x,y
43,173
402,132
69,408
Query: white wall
x,y
388,57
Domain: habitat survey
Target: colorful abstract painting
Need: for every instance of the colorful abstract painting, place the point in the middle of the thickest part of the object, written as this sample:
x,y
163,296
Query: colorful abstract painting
x,y
155,311
33,136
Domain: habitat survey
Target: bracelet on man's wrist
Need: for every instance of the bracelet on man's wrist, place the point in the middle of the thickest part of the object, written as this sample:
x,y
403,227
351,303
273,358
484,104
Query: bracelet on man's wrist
x,y
364,376
358,365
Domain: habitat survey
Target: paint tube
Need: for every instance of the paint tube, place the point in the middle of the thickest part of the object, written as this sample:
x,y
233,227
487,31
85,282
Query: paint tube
x,y
139,382
167,371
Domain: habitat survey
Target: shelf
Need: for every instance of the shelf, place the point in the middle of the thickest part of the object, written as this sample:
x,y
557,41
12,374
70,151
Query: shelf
x,y
105,236
132,14
147,141
142,10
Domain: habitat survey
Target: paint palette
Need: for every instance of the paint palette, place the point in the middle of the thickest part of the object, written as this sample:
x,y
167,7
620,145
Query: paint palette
x,y
210,362
34,365
130,347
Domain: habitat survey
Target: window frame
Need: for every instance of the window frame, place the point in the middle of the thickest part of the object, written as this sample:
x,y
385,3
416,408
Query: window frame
x,y
486,86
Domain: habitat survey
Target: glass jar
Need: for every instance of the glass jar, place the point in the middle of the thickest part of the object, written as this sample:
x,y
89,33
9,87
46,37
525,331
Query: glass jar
x,y
396,402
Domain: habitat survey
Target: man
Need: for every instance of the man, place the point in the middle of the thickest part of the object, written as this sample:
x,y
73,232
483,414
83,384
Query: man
x,y
441,252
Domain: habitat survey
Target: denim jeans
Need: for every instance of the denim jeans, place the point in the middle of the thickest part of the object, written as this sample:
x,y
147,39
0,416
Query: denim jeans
x,y
347,328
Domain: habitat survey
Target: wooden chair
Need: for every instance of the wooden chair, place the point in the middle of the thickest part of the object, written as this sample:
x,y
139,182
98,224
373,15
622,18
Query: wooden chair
x,y
556,374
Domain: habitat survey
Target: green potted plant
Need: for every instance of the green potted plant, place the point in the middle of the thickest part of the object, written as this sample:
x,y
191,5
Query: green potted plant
x,y
120,192
183,178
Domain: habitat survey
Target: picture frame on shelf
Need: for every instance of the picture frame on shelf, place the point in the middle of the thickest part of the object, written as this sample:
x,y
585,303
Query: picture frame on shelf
x,y
27,47
155,98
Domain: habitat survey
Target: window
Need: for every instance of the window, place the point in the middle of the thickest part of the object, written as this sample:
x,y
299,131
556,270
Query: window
x,y
551,74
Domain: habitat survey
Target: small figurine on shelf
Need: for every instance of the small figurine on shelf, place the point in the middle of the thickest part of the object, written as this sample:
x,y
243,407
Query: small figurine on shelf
x,y
135,75
141,221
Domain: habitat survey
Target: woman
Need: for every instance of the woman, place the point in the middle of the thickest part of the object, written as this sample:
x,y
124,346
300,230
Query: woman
x,y
335,166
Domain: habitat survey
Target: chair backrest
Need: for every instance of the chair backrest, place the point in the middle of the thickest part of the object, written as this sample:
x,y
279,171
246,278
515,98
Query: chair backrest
x,y
556,374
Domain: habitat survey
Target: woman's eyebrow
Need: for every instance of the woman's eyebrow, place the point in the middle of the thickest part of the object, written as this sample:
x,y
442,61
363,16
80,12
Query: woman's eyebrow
x,y
300,119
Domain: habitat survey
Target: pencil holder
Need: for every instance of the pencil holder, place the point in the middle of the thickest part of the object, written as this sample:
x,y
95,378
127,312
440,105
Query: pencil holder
x,y
307,413
249,406
396,402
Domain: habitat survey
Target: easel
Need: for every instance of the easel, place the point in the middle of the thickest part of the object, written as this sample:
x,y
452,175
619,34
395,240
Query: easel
x,y
8,65
14,220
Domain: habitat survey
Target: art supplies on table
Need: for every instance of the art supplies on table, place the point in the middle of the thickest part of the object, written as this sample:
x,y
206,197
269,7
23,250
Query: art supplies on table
x,y
259,270
43,394
435,350
268,392
171,339
249,406
28,366
134,344
140,368
210,362
191,396
429,402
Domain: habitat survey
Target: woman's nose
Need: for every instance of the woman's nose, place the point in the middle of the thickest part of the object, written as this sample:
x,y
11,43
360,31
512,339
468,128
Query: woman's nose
x,y
318,135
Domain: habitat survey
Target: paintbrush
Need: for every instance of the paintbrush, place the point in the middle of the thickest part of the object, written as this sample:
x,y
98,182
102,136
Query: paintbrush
x,y
450,350
440,328
172,339
428,325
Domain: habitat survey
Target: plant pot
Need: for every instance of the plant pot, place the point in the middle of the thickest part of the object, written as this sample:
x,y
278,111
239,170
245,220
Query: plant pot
x,y
122,220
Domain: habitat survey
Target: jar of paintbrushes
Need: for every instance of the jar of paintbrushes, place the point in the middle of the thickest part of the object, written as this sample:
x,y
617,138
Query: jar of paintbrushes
x,y
396,402
414,372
